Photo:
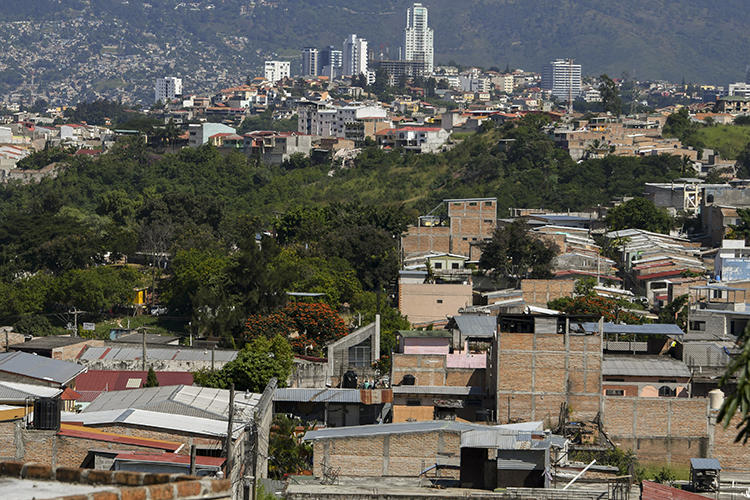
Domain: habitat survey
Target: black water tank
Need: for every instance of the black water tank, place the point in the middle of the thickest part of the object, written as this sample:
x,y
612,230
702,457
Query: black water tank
x,y
350,380
47,414
408,379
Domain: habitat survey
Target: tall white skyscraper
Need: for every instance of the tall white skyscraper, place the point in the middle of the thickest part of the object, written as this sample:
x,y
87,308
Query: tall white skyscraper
x,y
167,88
355,56
563,78
331,62
276,70
418,37
310,61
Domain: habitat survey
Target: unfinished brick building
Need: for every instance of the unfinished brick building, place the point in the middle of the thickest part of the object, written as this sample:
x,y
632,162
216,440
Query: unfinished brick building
x,y
540,362
470,221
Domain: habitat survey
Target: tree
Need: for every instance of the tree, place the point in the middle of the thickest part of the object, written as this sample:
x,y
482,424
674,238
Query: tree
x,y
593,305
304,325
151,380
585,287
289,454
611,101
255,365
639,213
36,325
679,125
515,253
741,230
675,312
739,400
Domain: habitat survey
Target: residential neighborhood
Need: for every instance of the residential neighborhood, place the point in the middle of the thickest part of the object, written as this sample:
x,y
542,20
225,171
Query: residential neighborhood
x,y
359,270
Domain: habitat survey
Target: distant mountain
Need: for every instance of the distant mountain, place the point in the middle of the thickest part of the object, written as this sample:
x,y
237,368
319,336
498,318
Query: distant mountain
x,y
223,39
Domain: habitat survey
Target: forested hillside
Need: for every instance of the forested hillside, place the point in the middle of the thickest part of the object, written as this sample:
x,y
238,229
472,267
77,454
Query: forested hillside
x,y
337,228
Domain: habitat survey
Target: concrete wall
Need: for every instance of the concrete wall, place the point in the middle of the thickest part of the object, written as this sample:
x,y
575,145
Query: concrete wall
x,y
422,303
159,365
536,372
387,455
308,374
471,221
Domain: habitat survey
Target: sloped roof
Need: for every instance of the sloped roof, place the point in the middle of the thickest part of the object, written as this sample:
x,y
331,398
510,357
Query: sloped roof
x,y
644,367
16,391
39,367
647,329
476,325
94,382
203,402
399,428
178,353
154,420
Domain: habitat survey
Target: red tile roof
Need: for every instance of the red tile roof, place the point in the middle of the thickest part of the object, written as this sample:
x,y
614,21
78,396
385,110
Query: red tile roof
x,y
92,383
79,431
70,395
656,491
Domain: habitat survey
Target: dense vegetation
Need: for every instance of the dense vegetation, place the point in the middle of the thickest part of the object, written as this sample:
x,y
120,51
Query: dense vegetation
x,y
336,232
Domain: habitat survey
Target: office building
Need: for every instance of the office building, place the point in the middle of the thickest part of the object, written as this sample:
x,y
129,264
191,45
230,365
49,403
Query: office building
x,y
310,61
331,62
167,88
563,79
418,37
355,56
275,71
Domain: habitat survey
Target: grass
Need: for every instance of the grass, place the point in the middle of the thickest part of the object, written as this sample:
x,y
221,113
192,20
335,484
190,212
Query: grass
x,y
651,469
729,140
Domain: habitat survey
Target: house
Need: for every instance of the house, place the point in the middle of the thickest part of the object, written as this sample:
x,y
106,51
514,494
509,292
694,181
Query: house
x,y
38,370
423,302
274,148
94,382
335,407
414,138
56,346
199,133
646,377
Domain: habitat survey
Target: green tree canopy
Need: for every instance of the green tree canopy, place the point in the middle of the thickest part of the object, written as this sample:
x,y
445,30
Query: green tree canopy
x,y
151,380
611,101
515,253
256,364
639,213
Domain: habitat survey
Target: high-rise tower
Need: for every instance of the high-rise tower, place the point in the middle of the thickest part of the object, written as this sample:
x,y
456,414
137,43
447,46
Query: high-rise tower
x,y
418,37
355,56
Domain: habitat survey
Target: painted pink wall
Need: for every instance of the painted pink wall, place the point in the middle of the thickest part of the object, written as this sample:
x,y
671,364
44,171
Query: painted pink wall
x,y
463,360
426,345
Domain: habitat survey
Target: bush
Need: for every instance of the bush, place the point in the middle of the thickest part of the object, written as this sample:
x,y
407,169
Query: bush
x,y
38,326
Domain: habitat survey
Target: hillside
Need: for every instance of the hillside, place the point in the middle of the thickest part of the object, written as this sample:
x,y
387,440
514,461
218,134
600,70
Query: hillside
x,y
115,44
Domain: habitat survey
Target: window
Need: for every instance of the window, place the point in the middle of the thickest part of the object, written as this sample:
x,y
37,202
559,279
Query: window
x,y
438,265
454,265
487,221
413,402
359,355
473,204
615,392
698,326
439,301
465,239
667,392
487,203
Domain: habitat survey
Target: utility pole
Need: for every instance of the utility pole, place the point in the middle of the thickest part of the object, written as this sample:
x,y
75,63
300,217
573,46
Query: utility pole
x,y
75,312
192,459
143,344
230,425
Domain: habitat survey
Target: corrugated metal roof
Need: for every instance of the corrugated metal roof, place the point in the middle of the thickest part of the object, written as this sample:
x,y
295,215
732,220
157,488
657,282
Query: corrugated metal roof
x,y
154,420
644,367
476,325
204,402
157,353
381,429
705,464
649,329
424,333
39,367
436,389
318,395
656,491
94,382
49,342
16,391
516,464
